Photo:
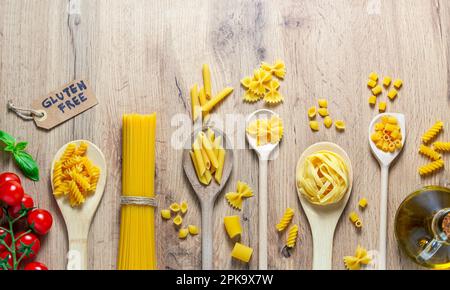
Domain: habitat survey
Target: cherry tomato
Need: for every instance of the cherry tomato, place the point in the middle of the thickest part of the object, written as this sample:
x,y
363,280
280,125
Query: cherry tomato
x,y
8,176
27,202
35,266
6,256
11,193
6,239
40,221
27,240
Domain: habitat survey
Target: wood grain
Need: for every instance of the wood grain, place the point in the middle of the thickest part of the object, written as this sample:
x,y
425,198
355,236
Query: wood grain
x,y
142,56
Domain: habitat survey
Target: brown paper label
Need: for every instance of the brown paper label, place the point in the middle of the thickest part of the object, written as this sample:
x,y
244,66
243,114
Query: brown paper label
x,y
63,104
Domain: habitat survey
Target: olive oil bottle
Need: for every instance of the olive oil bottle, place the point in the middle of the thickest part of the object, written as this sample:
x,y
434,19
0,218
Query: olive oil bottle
x,y
422,227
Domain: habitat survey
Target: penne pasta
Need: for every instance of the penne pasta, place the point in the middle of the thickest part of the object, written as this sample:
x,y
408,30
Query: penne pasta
x,y
206,159
211,135
195,103
207,80
208,147
214,101
201,178
217,144
221,160
199,158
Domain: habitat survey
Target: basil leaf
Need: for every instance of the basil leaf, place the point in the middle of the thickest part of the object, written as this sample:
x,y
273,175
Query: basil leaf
x,y
27,164
6,138
9,148
20,146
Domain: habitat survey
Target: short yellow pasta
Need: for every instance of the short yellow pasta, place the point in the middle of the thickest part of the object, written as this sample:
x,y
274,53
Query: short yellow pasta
x,y
242,252
432,132
372,100
327,121
363,203
442,146
314,125
232,226
292,237
373,76
74,175
431,167
285,220
361,257
355,219
387,135
429,152
387,81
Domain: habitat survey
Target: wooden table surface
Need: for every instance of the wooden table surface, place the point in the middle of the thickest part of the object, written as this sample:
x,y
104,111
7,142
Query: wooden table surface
x,y
143,56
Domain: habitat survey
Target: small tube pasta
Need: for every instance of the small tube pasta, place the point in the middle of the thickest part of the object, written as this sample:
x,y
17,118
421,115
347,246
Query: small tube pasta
x,y
216,99
207,81
372,100
354,218
362,203
377,90
398,83
232,226
242,252
371,83
165,214
387,81
382,107
373,76
392,94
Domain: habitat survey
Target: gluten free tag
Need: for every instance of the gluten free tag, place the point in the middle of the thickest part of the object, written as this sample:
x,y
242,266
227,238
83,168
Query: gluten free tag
x,y
63,104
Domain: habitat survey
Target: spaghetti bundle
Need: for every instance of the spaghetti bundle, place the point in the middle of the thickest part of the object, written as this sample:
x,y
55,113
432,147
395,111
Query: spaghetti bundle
x,y
137,226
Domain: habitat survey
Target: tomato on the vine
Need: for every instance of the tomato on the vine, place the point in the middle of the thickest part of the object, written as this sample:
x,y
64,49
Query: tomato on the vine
x,y
27,244
27,202
35,266
40,221
9,176
6,259
6,238
11,193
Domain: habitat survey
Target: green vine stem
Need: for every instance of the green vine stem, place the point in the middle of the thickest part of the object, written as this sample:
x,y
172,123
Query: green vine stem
x,y
12,248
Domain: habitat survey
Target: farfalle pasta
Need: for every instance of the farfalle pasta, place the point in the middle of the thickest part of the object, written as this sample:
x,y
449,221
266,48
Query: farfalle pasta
x,y
262,85
323,178
243,191
74,175
361,257
266,131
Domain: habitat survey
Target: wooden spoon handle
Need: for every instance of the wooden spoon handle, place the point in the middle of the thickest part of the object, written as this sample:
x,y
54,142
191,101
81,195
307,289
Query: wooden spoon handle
x,y
322,247
262,193
382,240
77,258
207,235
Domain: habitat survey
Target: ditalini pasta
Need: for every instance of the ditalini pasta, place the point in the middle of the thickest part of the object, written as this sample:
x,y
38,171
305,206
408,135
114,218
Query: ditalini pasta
x,y
137,249
363,203
285,220
387,134
432,132
235,199
242,252
74,175
292,237
431,167
354,218
361,257
165,214
373,76
323,178
442,146
387,81
208,157
232,226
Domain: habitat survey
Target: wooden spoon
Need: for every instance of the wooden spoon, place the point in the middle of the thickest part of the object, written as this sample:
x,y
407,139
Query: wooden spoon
x,y
207,194
385,160
264,153
78,219
324,218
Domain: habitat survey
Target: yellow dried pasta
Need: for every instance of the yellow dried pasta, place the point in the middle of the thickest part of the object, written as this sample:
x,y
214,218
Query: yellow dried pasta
x,y
285,220
363,203
323,178
432,132
74,175
387,136
235,199
232,226
355,219
442,146
266,131
431,167
242,252
361,257
327,121
429,152
292,237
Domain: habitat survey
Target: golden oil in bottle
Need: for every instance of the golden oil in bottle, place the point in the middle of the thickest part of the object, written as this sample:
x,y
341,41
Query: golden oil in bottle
x,y
422,227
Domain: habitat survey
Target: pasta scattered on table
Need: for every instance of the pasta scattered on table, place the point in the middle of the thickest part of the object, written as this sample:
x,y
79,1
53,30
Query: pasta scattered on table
x,y
431,167
429,152
442,146
232,226
292,237
235,199
355,219
286,219
242,252
361,257
432,132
